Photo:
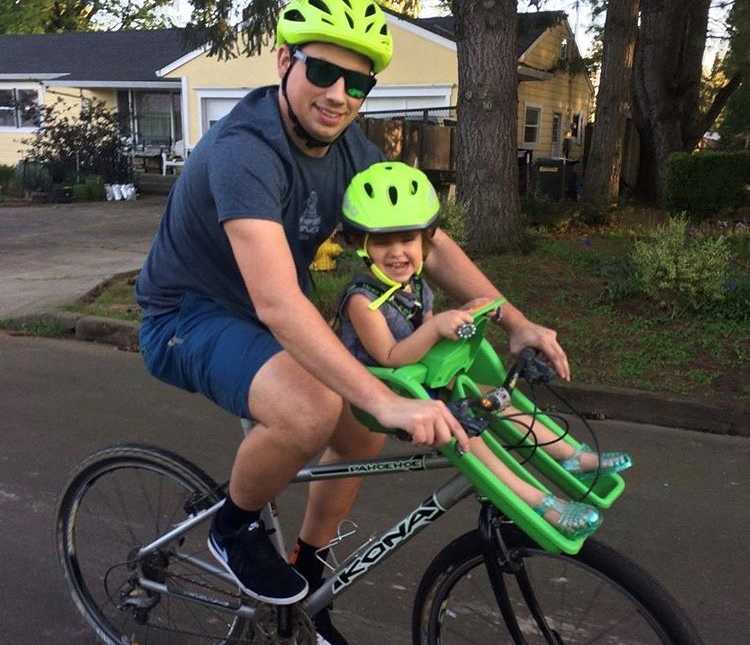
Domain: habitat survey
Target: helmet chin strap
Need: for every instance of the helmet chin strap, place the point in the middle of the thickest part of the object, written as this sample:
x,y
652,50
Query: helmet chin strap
x,y
299,130
382,276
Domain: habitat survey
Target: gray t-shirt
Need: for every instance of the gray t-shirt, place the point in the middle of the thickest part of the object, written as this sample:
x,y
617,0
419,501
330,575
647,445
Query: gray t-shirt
x,y
400,326
246,167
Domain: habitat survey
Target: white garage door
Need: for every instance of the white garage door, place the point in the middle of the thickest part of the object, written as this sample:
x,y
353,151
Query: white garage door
x,y
398,98
394,98
216,108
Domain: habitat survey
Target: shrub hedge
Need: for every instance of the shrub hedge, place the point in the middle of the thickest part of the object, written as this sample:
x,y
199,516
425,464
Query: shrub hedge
x,y
706,182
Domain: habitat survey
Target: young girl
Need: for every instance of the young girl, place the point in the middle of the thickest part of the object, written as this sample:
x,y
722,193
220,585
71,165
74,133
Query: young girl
x,y
386,319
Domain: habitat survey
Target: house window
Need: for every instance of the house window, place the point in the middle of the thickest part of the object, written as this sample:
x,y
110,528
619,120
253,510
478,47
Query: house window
x,y
157,116
575,127
556,122
564,50
18,108
531,125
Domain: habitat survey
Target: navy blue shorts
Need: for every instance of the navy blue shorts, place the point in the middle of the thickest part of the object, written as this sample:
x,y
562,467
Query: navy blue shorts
x,y
205,347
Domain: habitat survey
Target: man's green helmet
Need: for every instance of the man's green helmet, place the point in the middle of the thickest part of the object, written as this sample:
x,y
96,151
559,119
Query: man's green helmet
x,y
358,25
390,196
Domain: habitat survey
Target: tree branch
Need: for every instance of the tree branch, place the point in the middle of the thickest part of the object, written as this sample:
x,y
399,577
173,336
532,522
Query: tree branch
x,y
704,122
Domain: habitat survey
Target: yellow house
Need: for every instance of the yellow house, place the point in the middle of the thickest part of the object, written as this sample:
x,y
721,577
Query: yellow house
x,y
115,67
183,96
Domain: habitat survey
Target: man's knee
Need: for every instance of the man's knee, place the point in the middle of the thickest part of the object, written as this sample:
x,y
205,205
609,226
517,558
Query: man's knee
x,y
313,419
286,397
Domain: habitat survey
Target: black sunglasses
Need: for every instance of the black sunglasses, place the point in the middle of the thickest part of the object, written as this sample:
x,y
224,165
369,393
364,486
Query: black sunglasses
x,y
321,73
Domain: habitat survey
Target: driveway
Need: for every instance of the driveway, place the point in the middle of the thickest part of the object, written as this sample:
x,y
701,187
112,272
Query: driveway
x,y
52,254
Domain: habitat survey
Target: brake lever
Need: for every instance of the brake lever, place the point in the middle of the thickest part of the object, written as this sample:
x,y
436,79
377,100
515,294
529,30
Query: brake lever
x,y
531,366
474,425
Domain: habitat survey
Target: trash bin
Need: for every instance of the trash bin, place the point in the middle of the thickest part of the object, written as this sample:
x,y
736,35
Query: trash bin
x,y
549,179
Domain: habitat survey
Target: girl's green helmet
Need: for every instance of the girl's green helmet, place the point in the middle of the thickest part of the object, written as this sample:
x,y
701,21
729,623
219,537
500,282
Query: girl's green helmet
x,y
390,196
358,25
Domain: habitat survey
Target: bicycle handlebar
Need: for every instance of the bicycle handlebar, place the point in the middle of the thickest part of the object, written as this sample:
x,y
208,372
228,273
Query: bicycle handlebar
x,y
531,365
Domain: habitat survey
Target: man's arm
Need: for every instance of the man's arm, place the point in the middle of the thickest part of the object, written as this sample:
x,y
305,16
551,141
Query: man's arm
x,y
451,269
265,261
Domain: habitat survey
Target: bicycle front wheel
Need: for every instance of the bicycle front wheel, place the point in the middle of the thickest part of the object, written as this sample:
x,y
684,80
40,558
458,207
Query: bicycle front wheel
x,y
597,596
119,500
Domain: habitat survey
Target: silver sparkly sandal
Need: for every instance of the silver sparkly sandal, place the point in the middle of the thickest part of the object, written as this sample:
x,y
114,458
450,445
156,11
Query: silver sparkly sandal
x,y
609,462
575,519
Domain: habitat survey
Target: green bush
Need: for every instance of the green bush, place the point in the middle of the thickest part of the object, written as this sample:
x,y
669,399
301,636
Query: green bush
x,y
33,176
707,182
7,173
736,306
80,193
682,272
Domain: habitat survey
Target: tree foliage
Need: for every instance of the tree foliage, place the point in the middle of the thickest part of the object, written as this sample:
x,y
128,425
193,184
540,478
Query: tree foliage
x,y
56,16
735,122
212,22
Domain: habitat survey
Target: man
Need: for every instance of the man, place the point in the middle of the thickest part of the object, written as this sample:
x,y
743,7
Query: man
x,y
223,293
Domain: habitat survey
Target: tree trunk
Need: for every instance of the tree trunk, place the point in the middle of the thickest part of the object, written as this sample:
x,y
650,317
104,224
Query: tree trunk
x,y
486,161
667,79
602,180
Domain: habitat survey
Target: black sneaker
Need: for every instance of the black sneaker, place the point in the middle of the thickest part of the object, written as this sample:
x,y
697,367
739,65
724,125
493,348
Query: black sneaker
x,y
256,566
327,633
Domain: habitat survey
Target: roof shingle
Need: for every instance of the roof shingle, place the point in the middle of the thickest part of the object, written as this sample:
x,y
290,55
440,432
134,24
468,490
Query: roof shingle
x,y
112,56
530,26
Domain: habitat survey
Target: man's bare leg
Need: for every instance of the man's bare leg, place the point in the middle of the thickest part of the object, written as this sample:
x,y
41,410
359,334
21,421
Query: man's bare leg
x,y
330,501
296,417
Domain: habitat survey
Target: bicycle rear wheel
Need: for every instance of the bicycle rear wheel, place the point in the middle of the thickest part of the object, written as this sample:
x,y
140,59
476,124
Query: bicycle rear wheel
x,y
119,500
597,596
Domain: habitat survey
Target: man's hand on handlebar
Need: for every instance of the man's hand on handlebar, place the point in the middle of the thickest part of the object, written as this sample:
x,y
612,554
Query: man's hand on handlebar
x,y
429,423
530,334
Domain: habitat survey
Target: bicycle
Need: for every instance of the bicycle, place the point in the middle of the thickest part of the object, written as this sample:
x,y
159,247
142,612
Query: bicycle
x,y
139,570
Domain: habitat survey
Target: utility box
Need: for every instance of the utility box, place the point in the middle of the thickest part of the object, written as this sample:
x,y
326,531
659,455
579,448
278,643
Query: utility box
x,y
549,179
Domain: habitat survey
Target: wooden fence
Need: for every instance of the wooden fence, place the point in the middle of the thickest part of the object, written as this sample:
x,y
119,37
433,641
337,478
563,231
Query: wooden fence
x,y
429,146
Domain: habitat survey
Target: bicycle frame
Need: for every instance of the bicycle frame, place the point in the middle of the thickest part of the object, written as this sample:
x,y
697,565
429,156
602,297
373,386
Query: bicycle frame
x,y
370,554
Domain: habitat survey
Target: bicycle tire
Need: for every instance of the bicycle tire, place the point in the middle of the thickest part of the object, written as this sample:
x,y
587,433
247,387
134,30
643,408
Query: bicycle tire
x,y
100,525
455,603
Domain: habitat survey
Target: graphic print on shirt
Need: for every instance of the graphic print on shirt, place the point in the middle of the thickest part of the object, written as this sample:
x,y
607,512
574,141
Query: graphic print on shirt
x,y
309,222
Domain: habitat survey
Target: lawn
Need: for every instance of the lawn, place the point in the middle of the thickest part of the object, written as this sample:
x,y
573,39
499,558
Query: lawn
x,y
571,281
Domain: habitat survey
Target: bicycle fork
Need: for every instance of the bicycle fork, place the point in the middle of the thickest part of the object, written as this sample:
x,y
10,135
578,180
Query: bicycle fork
x,y
499,562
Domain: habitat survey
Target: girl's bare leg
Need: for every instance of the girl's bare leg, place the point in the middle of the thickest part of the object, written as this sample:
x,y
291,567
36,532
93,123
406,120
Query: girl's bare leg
x,y
558,450
528,493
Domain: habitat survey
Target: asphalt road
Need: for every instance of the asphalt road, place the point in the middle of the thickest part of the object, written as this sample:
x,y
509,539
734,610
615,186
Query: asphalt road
x,y
683,516
52,254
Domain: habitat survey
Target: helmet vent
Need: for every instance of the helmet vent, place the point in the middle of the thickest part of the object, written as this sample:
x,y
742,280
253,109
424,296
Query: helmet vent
x,y
384,30
319,4
368,189
347,3
295,15
414,186
370,11
367,29
325,20
349,19
393,194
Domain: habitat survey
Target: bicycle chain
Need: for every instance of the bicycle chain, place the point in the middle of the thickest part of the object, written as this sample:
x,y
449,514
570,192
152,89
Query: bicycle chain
x,y
263,629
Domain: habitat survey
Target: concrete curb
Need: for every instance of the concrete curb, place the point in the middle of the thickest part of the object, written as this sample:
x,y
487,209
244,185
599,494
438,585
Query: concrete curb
x,y
592,401
602,402
121,333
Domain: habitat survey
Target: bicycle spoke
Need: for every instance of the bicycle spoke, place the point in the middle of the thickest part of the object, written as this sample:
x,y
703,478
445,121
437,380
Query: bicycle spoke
x,y
128,540
128,500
